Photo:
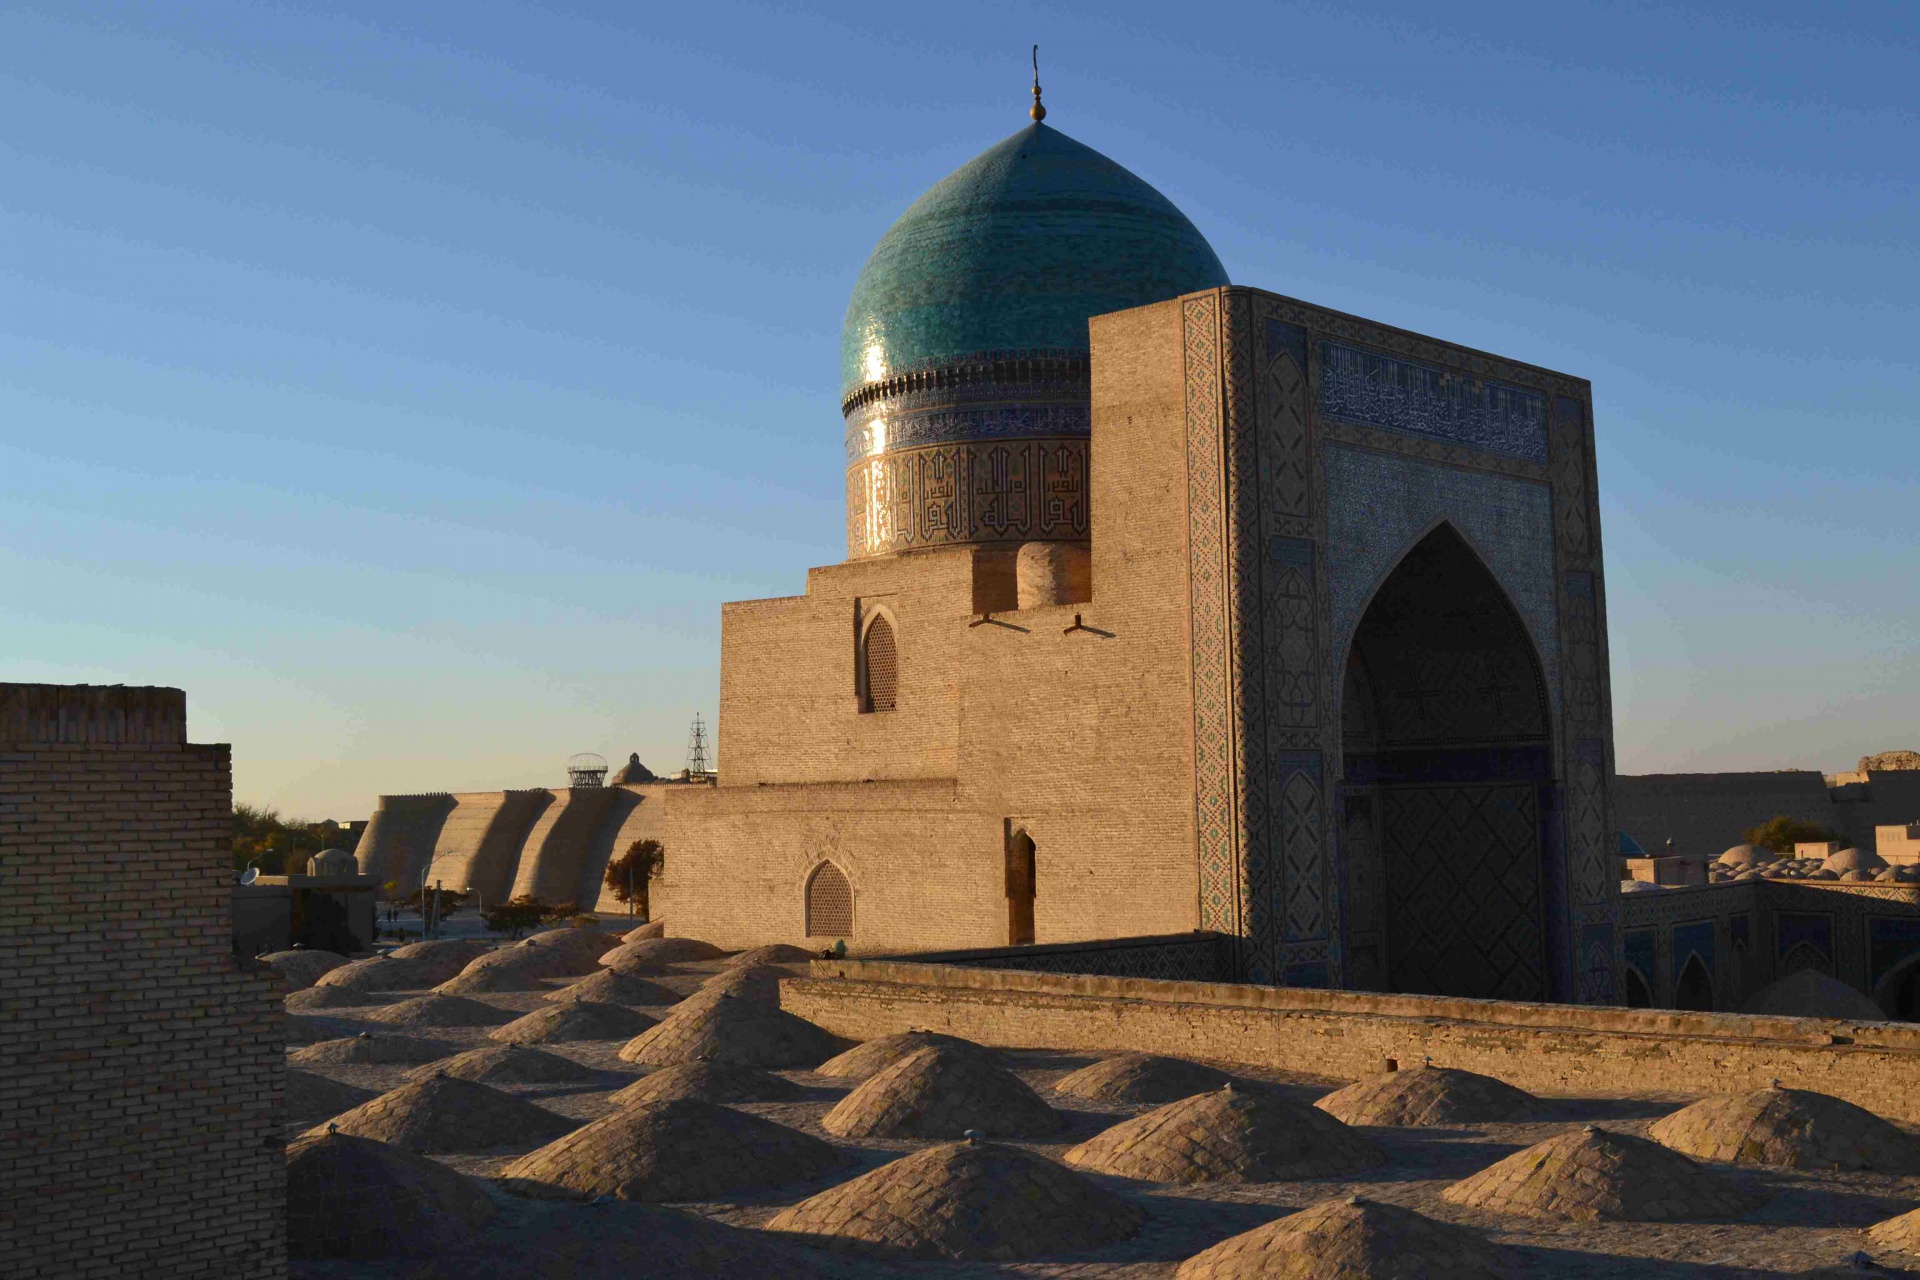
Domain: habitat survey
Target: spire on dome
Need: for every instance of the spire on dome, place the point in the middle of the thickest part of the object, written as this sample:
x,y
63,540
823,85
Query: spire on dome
x,y
1039,112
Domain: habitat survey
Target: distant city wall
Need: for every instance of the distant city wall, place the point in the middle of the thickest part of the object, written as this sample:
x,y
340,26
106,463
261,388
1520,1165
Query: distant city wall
x,y
401,836
141,1068
1704,813
1343,1035
557,847
478,846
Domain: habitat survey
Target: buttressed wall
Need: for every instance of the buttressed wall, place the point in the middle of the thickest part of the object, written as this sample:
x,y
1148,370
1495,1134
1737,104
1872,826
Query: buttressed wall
x,y
1339,687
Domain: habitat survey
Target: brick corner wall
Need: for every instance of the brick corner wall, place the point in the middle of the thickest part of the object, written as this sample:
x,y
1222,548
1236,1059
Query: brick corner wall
x,y
141,1069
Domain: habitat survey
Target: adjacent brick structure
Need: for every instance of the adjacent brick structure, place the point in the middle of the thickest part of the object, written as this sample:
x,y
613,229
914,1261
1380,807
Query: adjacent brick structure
x,y
140,1066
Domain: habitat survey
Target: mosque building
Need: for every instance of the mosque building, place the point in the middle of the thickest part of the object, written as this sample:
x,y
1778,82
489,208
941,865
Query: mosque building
x,y
1171,605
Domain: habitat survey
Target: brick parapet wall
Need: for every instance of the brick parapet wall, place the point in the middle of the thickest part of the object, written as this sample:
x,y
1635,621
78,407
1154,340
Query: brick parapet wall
x,y
1547,1048
140,1068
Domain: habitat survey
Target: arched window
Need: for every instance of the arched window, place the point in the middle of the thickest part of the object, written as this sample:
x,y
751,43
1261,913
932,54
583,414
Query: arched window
x,y
1694,989
1639,995
1021,875
829,903
880,664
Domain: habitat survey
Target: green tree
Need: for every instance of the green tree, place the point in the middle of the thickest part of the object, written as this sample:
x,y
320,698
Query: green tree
x,y
273,844
517,916
629,874
1781,833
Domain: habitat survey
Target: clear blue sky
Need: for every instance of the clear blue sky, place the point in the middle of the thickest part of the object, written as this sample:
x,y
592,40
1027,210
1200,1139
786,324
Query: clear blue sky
x,y
412,382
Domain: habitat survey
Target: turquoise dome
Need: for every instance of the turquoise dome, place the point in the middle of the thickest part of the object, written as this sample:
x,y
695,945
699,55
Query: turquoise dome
x,y
1012,253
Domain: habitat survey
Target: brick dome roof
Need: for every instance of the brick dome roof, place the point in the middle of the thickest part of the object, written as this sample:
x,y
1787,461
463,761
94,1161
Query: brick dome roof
x,y
506,1064
1597,1175
444,1114
300,967
370,1050
773,953
1423,1096
964,1201
1227,1136
1790,1127
732,1030
1808,993
1141,1077
942,1091
384,973
872,1056
651,929
439,1011
653,955
605,986
349,1197
311,1097
676,1149
1352,1239
709,1082
320,999
572,1020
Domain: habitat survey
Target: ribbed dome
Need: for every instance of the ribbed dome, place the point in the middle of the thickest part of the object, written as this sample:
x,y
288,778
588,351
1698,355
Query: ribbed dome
x,y
1013,251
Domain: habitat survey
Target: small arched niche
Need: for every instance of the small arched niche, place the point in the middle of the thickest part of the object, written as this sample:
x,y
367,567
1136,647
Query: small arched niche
x,y
829,903
879,666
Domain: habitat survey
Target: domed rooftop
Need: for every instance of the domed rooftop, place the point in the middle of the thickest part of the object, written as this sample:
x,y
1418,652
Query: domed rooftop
x,y
1804,993
311,1097
873,1056
1352,1239
1013,251
709,1082
351,1197
1424,1096
509,1063
1140,1077
369,1050
1596,1175
573,1020
301,968
732,1030
679,1149
442,1114
653,955
332,862
321,999
964,1201
608,987
440,1011
1225,1136
1789,1127
942,1092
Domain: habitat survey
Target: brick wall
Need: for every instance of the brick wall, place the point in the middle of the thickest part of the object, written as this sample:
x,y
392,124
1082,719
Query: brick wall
x,y
1544,1048
140,1069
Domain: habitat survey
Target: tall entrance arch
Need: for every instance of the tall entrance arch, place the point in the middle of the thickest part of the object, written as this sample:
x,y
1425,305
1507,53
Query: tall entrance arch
x,y
1448,776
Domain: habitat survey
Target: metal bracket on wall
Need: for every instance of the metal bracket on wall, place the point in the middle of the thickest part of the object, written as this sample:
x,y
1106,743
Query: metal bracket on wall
x,y
987,619
1081,626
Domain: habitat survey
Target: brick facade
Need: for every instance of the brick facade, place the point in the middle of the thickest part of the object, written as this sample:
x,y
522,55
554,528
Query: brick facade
x,y
140,1068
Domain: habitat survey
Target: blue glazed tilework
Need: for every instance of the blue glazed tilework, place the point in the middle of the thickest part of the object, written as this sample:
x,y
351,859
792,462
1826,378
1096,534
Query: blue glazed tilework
x,y
1015,249
1815,928
1639,946
1379,506
1596,964
1691,940
1416,399
1889,941
883,428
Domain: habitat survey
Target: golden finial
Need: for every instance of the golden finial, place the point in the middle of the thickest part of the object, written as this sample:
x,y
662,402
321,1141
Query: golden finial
x,y
1039,112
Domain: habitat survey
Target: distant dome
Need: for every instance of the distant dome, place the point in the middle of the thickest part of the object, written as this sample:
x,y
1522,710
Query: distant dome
x,y
633,771
1854,860
1746,855
332,862
968,324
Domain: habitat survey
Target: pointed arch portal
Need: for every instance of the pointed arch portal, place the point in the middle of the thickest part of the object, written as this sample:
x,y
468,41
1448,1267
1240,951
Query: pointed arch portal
x,y
1448,770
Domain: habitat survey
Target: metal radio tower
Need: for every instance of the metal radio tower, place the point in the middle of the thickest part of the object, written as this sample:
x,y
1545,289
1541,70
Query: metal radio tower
x,y
697,749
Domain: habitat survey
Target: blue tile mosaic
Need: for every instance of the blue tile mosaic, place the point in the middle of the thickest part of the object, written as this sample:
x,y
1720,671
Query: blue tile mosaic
x,y
1889,941
885,429
1596,964
1449,764
1814,928
1695,939
1639,946
1440,404
1016,249
1379,506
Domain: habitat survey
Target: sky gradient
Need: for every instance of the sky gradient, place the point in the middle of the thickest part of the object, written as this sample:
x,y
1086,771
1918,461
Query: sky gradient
x,y
412,383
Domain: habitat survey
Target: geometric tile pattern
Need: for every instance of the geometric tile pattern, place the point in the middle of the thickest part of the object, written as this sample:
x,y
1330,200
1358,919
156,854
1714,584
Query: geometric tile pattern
x,y
1400,395
1462,879
982,491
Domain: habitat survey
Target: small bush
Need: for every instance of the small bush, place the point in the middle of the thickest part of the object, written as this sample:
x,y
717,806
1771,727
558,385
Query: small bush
x,y
1781,833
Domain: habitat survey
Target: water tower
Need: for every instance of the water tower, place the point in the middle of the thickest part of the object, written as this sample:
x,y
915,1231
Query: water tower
x,y
587,770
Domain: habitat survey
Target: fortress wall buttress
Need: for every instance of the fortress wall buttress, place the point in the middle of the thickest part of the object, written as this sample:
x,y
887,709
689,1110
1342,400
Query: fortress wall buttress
x,y
557,848
479,845
400,838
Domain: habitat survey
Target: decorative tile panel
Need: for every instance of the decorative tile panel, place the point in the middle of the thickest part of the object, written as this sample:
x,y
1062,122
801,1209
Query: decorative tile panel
x,y
1433,402
1213,760
1596,970
1693,939
1593,863
1379,506
1002,491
